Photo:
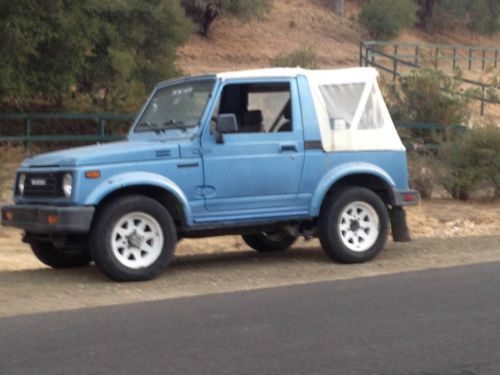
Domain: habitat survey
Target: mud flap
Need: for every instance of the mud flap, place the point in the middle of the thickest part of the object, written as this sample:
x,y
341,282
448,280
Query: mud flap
x,y
400,231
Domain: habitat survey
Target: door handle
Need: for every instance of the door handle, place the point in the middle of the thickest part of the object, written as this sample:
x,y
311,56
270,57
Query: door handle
x,y
288,148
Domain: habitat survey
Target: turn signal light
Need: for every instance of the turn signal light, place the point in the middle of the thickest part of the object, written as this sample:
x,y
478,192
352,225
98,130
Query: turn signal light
x,y
93,174
408,198
52,219
9,216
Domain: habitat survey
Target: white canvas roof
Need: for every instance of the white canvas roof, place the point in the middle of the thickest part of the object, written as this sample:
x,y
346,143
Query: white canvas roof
x,y
351,111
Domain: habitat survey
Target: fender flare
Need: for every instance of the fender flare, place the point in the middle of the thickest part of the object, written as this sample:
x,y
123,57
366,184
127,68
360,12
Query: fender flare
x,y
341,171
131,179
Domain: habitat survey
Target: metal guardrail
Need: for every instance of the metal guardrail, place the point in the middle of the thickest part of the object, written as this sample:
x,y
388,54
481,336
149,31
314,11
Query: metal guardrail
x,y
100,119
370,52
103,119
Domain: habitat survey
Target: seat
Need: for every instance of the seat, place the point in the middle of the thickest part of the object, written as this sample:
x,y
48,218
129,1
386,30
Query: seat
x,y
287,114
251,122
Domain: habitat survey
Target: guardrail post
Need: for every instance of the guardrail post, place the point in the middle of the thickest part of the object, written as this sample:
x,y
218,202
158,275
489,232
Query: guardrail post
x,y
27,133
102,132
395,63
496,58
482,99
484,59
417,51
454,57
437,58
470,58
361,53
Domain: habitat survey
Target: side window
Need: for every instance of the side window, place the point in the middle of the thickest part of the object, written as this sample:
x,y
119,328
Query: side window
x,y
259,108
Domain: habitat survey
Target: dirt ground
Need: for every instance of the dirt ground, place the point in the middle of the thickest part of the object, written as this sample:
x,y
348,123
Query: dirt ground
x,y
445,234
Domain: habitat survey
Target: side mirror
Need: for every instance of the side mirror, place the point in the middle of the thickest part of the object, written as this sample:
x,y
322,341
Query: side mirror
x,y
225,123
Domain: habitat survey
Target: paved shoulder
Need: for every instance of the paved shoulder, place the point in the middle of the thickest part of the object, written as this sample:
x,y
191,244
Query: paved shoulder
x,y
429,322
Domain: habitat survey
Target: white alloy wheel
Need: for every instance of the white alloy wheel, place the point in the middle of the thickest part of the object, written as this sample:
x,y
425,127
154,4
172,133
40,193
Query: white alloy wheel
x,y
359,226
137,240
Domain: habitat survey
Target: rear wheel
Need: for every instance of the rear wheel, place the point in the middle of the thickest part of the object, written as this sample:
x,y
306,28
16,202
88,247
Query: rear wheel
x,y
55,257
353,225
133,238
266,242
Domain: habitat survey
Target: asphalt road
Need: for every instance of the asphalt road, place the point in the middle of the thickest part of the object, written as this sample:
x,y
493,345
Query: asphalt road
x,y
431,322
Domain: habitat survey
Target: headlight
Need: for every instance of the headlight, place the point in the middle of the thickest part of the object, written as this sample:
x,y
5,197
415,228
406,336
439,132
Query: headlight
x,y
67,184
20,183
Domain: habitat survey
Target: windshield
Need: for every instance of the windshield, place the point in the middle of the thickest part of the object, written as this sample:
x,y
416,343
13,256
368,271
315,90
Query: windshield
x,y
178,106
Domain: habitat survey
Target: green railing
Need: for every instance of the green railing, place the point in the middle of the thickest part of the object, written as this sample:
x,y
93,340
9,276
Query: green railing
x,y
104,120
394,57
29,122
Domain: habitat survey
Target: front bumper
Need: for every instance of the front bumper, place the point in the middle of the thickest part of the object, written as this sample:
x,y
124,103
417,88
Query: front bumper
x,y
405,197
48,219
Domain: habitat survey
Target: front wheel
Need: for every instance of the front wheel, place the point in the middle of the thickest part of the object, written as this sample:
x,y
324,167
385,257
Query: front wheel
x,y
133,238
55,257
353,225
267,242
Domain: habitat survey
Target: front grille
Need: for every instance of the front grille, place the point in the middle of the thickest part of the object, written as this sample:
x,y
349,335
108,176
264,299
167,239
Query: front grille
x,y
43,185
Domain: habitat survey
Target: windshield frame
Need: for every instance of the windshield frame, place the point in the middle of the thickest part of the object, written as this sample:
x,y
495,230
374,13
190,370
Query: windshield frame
x,y
135,132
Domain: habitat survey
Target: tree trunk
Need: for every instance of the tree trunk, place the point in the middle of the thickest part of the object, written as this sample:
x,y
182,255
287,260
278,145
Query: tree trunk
x,y
338,6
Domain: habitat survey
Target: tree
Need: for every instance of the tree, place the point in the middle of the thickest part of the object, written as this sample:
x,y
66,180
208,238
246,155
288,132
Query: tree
x,y
384,19
104,49
133,49
479,15
42,46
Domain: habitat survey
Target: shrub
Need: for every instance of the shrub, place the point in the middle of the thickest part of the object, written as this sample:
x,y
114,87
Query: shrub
x,y
245,8
471,163
430,96
422,173
303,57
384,19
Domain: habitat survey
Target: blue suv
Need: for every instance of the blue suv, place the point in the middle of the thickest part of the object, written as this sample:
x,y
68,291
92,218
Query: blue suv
x,y
269,154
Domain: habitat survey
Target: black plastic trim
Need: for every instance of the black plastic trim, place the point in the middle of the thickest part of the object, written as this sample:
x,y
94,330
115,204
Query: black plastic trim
x,y
33,218
313,145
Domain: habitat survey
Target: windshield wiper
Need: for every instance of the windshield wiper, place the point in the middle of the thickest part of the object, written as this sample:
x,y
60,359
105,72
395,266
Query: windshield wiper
x,y
150,125
167,125
174,124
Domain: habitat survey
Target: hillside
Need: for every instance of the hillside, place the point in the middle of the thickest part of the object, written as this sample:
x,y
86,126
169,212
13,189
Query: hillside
x,y
237,44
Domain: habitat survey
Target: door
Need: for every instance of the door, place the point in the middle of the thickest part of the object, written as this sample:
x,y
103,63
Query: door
x,y
260,166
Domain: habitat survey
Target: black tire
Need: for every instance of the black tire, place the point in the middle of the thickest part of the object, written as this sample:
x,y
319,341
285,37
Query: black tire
x,y
269,242
102,230
329,229
54,257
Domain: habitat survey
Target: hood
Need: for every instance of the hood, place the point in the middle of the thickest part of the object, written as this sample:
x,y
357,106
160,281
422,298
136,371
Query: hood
x,y
118,152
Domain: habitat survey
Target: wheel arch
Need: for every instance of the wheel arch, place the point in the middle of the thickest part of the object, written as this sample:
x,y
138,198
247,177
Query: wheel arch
x,y
153,186
354,174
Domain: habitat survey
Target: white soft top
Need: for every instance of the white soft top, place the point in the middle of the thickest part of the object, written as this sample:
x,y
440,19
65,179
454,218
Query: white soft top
x,y
351,111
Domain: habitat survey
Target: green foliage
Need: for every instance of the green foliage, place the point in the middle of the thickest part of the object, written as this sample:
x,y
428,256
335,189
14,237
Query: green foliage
x,y
240,8
384,19
484,16
442,15
42,45
105,50
430,96
245,8
466,167
471,163
303,57
421,169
